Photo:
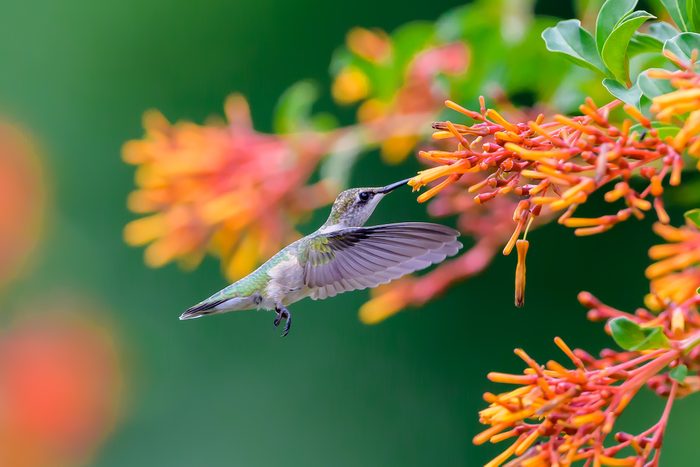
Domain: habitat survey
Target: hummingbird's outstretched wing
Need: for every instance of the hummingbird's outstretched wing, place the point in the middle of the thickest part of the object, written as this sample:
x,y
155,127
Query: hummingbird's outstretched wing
x,y
362,257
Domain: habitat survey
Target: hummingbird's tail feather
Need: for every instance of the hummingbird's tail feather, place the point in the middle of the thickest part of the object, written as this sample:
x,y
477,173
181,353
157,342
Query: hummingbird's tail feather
x,y
202,309
222,303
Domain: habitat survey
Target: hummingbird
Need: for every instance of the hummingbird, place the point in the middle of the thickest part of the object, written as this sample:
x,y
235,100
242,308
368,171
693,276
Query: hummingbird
x,y
342,255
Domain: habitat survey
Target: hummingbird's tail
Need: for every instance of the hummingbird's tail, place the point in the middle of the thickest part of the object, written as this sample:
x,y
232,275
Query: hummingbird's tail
x,y
204,308
218,304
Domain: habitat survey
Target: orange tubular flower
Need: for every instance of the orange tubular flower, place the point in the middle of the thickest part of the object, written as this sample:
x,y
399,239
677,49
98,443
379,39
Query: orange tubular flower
x,y
220,188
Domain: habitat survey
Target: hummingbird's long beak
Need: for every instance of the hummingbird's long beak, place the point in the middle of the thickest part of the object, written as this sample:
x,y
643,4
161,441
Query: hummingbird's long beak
x,y
393,186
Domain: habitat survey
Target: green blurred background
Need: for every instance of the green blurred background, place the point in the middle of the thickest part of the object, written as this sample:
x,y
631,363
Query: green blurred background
x,y
228,391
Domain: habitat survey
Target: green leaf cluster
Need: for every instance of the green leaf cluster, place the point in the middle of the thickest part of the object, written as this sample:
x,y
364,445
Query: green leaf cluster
x,y
617,39
515,64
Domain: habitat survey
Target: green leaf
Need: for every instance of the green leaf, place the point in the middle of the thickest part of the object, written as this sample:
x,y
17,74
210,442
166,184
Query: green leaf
x,y
679,373
677,10
693,216
683,44
653,87
693,13
662,31
293,109
570,39
644,43
631,336
609,15
614,51
627,95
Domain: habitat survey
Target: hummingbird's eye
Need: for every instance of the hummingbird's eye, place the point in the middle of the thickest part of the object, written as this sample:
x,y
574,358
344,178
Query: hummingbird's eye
x,y
363,196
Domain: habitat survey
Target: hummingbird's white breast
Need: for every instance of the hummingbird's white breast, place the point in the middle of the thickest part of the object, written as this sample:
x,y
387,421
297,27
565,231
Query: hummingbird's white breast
x,y
286,283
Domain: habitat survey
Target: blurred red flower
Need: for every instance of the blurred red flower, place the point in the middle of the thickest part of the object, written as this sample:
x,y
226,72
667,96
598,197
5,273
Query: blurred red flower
x,y
60,384
21,200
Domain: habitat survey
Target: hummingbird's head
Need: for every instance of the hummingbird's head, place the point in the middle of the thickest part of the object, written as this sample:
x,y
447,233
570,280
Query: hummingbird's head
x,y
353,207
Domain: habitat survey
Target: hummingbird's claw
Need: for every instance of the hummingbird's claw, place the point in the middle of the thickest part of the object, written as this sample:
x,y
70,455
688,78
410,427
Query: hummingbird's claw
x,y
283,313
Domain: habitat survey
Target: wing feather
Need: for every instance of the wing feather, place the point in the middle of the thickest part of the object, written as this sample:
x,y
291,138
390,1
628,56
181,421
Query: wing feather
x,y
363,257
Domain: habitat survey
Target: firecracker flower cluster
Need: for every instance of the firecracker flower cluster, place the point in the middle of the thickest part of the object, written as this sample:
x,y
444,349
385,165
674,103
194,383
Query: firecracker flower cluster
x,y
560,414
563,413
553,166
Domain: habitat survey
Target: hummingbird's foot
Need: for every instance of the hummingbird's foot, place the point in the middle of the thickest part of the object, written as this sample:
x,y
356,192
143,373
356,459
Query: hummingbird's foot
x,y
283,313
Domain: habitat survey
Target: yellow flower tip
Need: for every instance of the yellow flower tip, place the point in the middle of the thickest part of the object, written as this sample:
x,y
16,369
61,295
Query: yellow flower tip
x,y
526,443
661,268
141,231
155,122
158,254
498,118
660,74
576,222
485,435
191,261
653,302
395,149
637,115
245,258
351,85
135,152
587,231
371,110
141,201
614,461
381,307
520,272
594,418
559,342
505,378
503,436
502,457
425,197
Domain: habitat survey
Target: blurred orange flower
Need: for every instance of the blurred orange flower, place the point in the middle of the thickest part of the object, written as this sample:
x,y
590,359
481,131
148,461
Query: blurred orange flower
x,y
220,188
417,91
420,95
21,200
60,385
373,45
